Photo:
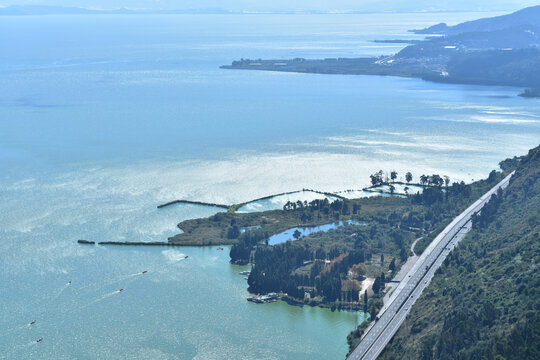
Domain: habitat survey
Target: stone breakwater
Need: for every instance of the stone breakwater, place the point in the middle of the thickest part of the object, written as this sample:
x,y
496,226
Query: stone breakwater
x,y
128,243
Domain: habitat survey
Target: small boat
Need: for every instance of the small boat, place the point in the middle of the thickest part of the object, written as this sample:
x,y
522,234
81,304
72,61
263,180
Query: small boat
x,y
186,257
145,271
39,340
32,323
122,289
69,282
220,248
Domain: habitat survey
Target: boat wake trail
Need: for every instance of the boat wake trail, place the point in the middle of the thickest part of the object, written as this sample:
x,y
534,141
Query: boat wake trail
x,y
17,328
55,297
103,284
101,298
16,349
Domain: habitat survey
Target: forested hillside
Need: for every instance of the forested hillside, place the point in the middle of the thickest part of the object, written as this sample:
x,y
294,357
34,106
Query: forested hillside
x,y
484,303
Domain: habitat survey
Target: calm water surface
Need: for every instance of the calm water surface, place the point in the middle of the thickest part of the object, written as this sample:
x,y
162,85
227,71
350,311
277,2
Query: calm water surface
x,y
104,117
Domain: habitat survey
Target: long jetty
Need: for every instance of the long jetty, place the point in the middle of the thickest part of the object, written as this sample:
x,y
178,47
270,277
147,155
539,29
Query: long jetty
x,y
129,243
193,203
235,207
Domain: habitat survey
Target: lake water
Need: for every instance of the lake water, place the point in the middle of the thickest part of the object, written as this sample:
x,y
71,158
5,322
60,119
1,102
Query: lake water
x,y
305,231
102,118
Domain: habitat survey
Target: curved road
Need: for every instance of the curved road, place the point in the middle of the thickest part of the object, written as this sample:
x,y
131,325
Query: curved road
x,y
392,315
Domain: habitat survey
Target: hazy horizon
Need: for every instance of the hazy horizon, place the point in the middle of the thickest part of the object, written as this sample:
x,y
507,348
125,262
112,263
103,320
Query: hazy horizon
x,y
282,5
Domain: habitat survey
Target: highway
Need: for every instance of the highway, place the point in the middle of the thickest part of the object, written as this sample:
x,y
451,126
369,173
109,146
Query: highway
x,y
417,279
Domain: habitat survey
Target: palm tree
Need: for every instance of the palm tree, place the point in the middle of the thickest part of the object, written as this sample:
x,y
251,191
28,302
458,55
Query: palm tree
x,y
408,177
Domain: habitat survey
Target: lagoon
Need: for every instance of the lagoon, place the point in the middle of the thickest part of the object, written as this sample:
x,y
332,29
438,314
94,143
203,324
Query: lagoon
x,y
288,235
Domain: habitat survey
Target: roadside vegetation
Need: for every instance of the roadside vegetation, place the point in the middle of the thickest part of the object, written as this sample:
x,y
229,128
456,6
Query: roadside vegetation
x,y
483,303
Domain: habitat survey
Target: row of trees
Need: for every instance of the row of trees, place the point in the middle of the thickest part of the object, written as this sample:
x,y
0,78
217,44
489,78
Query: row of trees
x,y
381,178
434,180
323,205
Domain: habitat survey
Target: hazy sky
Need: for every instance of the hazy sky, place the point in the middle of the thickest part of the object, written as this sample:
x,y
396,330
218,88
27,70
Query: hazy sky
x,y
360,5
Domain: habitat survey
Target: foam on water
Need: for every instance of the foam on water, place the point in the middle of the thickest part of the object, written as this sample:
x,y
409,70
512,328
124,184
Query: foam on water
x,y
174,255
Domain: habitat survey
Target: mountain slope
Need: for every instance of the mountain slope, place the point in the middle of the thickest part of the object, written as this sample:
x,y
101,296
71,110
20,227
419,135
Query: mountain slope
x,y
527,16
484,302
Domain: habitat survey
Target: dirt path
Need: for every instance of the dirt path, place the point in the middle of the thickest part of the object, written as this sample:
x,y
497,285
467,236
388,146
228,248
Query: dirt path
x,y
414,243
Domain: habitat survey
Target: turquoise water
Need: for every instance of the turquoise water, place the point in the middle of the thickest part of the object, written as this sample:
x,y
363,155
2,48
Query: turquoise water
x,y
304,231
102,118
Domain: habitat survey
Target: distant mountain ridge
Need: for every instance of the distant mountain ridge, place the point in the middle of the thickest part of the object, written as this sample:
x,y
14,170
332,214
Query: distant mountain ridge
x,y
48,10
526,16
21,10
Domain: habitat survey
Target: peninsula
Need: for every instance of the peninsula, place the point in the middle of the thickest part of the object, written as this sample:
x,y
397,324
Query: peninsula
x,y
503,50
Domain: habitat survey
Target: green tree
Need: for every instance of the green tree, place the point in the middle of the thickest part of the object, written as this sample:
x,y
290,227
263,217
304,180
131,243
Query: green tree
x,y
408,177
393,175
233,232
436,180
392,266
403,254
365,301
377,178
376,285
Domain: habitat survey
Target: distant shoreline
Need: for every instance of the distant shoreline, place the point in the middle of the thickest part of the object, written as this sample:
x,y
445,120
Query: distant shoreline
x,y
498,51
363,66
32,10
